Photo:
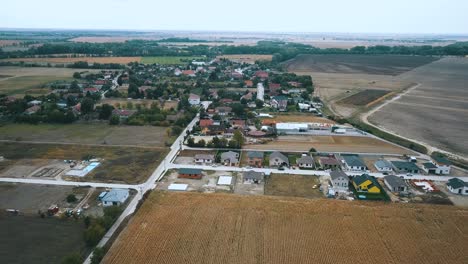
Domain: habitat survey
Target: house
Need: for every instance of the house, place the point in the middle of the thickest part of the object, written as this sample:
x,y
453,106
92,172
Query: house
x,y
236,75
277,159
177,72
190,173
457,186
255,158
189,73
215,130
295,84
194,99
305,162
35,102
366,183
230,158
383,165
248,96
204,158
253,177
223,110
123,113
274,87
279,102
237,123
405,167
261,74
206,122
443,165
226,101
353,163
429,167
32,110
248,83
90,90
339,180
395,184
100,82
329,163
114,197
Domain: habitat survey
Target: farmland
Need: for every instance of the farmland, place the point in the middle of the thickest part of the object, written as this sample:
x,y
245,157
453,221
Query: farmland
x,y
120,164
292,185
100,133
434,112
301,118
30,80
364,97
221,228
330,144
56,60
246,58
364,64
169,60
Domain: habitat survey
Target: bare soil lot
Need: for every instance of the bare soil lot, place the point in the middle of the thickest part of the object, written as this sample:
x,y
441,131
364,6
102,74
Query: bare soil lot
x,y
222,228
30,239
330,144
364,97
293,185
96,133
434,112
369,64
301,118
120,164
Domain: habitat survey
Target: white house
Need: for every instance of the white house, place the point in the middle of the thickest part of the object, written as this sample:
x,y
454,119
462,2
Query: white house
x,y
443,165
353,163
306,162
114,197
204,158
194,99
340,181
383,165
457,186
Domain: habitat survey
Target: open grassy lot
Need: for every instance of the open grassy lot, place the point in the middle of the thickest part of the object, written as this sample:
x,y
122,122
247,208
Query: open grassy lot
x,y
292,185
121,164
31,80
100,133
368,64
246,58
364,97
31,239
352,144
434,112
169,60
103,60
226,228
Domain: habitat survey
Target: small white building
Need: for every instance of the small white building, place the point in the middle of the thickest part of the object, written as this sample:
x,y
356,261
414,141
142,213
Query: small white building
x,y
114,197
383,165
305,162
457,186
194,99
204,158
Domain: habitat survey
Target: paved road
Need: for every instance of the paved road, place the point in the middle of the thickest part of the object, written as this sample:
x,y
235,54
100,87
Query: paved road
x,y
114,86
71,183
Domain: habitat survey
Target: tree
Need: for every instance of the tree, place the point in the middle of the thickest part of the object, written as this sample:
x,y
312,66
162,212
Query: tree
x,y
71,198
98,255
106,111
76,75
93,234
239,138
73,258
259,103
87,105
74,87
114,120
238,109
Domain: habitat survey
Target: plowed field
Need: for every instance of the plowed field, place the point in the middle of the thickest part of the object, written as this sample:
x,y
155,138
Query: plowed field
x,y
223,228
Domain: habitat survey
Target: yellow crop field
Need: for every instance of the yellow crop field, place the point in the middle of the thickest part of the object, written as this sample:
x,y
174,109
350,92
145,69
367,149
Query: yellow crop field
x,y
225,228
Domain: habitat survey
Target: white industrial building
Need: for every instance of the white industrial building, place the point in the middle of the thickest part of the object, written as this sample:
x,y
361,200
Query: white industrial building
x,y
260,92
284,128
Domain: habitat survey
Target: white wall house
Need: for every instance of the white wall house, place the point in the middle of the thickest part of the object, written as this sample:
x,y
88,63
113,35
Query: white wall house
x,y
457,186
204,158
194,99
340,181
383,165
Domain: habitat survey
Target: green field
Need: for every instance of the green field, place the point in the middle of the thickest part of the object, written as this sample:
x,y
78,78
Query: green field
x,y
169,60
33,85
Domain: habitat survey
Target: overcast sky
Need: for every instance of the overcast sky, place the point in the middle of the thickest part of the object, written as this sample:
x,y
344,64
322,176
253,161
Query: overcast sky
x,y
353,16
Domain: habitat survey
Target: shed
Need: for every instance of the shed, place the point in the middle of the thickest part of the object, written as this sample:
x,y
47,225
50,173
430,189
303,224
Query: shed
x,y
395,183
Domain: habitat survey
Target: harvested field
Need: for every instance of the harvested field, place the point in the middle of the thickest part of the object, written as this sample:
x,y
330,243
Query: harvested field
x,y
364,97
168,60
103,39
301,118
434,112
31,239
147,136
368,64
330,144
121,164
102,60
226,228
246,58
292,185
6,42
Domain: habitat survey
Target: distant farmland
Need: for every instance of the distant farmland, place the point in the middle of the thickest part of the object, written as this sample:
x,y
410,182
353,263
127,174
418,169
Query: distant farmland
x,y
225,228
368,64
169,60
103,60
246,58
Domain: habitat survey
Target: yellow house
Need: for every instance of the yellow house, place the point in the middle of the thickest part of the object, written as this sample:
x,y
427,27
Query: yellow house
x,y
365,183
